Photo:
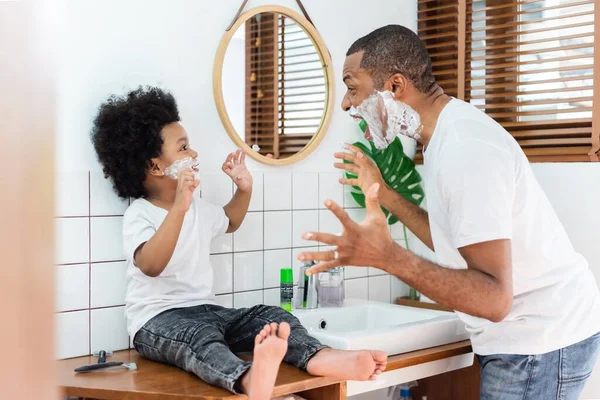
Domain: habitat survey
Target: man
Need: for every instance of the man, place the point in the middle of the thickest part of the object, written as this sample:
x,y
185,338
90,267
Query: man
x,y
507,266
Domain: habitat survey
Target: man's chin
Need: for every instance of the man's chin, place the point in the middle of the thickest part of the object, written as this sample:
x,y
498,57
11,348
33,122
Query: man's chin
x,y
368,135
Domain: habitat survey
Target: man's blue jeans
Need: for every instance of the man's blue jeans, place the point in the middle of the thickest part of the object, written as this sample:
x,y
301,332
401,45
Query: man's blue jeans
x,y
558,375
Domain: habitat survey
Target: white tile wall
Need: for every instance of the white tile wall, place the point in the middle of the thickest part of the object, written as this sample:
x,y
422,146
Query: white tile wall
x,y
305,192
225,300
72,194
379,288
356,272
108,329
247,299
357,288
246,264
222,273
103,200
278,229
274,261
108,284
217,188
107,239
330,189
304,221
72,334
68,295
72,240
258,198
250,235
328,223
272,297
248,271
278,191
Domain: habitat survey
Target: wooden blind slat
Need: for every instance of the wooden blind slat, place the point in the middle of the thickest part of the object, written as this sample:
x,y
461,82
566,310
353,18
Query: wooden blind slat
x,y
529,42
532,92
501,6
541,30
537,71
437,8
488,27
537,82
539,112
536,102
438,17
535,10
536,51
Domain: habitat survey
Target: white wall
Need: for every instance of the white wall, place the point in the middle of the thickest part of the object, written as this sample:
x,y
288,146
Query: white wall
x,y
111,46
574,190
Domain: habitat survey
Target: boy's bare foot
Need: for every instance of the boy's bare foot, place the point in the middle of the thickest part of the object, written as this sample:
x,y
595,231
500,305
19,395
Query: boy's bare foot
x,y
349,365
270,347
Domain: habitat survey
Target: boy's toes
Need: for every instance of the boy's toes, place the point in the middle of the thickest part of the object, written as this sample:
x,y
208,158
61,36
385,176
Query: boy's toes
x,y
284,330
274,327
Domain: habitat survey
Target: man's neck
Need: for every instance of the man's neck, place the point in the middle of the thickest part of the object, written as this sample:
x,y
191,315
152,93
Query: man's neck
x,y
429,109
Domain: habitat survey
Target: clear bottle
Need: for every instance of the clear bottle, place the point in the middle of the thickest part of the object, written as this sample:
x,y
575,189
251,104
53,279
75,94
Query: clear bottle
x,y
331,288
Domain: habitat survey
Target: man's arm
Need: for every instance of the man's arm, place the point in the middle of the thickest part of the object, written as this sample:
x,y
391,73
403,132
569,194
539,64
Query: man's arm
x,y
237,209
412,216
483,290
367,174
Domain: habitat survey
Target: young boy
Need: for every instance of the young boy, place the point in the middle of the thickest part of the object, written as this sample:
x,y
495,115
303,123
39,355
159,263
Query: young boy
x,y
167,232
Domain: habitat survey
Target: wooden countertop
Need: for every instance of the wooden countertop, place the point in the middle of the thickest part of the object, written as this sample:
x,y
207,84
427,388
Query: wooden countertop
x,y
153,381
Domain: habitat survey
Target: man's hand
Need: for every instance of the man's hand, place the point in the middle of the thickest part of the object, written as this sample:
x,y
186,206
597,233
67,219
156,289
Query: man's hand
x,y
235,167
186,185
360,165
367,245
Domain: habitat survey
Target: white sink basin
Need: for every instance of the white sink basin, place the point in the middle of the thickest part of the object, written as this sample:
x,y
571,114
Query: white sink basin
x,y
361,324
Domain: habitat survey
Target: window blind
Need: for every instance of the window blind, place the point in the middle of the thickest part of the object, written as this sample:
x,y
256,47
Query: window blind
x,y
529,64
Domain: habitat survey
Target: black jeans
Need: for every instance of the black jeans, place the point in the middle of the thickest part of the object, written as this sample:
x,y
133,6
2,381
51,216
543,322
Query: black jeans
x,y
203,339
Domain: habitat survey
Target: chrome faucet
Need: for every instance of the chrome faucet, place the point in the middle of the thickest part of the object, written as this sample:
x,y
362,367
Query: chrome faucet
x,y
307,297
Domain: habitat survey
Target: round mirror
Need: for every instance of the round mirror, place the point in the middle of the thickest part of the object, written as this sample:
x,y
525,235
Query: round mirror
x,y
273,85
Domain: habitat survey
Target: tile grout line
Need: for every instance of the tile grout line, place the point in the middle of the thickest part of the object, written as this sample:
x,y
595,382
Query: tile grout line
x,y
89,263
264,234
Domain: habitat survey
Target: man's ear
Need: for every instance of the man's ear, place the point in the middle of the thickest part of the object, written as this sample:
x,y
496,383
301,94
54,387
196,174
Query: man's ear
x,y
398,85
155,169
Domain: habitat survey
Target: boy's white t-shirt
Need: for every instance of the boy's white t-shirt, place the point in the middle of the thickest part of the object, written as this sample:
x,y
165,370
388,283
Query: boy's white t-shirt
x,y
480,187
187,279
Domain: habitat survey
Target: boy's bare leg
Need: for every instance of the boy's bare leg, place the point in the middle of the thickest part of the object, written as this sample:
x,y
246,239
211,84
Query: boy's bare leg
x,y
269,349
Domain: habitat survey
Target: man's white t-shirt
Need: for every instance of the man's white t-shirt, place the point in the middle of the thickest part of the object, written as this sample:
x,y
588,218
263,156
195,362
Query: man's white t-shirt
x,y
480,187
187,279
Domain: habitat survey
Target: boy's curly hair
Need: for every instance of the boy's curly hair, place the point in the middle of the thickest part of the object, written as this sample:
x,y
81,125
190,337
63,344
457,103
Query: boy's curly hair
x,y
126,136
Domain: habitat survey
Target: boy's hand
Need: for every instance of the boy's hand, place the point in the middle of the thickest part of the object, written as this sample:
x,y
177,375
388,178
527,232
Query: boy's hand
x,y
235,168
186,185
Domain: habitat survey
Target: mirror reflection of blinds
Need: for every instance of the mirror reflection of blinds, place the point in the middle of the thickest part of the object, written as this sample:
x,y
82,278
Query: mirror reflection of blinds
x,y
302,90
262,82
528,64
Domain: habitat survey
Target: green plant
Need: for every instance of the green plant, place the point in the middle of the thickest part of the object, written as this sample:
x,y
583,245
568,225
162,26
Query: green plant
x,y
398,172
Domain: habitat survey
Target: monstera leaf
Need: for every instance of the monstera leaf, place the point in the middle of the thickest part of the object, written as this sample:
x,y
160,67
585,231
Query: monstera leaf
x,y
397,169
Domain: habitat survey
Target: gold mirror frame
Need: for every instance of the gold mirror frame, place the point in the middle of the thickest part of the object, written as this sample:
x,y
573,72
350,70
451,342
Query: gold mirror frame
x,y
327,72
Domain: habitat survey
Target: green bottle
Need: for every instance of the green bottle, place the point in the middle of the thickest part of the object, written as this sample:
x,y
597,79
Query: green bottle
x,y
287,288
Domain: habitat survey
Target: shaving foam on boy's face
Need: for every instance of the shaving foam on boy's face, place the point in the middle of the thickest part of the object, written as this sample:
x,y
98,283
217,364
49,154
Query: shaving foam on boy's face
x,y
173,170
387,118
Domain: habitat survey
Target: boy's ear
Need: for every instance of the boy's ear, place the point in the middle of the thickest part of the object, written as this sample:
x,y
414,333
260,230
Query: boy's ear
x,y
155,169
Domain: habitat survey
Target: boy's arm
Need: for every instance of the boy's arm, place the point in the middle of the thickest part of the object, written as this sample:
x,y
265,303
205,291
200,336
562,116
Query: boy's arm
x,y
152,257
237,208
235,167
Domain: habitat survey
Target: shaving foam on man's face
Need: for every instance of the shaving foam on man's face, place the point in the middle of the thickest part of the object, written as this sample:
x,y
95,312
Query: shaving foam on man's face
x,y
387,118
